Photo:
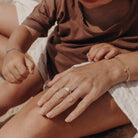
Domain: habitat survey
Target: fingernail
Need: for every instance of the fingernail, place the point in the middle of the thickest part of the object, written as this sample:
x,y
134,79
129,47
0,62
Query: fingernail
x,y
50,114
39,103
95,59
68,119
106,57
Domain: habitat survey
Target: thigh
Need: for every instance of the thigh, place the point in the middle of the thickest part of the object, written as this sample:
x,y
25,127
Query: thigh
x,y
102,115
8,19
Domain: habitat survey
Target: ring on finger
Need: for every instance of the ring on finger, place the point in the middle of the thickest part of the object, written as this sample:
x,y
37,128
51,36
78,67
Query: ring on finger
x,y
67,89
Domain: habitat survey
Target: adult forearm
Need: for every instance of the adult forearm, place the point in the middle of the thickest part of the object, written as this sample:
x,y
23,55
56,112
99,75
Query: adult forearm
x,y
22,38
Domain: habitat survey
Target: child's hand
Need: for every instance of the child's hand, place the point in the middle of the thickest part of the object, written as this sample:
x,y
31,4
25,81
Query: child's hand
x,y
17,66
103,50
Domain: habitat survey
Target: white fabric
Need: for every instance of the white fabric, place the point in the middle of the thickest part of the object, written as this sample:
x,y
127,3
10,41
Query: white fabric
x,y
136,136
126,97
38,49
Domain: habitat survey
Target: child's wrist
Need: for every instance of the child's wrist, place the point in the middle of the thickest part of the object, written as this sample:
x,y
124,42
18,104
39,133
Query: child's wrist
x,y
11,49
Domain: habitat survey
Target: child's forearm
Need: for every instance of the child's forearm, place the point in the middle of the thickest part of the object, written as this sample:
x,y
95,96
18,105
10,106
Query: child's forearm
x,y
22,38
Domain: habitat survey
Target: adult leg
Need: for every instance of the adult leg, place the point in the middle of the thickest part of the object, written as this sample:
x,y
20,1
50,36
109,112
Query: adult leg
x,y
14,94
102,115
8,19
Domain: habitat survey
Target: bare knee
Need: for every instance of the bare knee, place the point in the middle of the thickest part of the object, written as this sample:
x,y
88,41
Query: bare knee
x,y
42,127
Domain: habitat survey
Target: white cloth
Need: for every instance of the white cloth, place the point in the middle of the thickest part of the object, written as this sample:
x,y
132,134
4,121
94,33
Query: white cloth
x,y
126,97
38,49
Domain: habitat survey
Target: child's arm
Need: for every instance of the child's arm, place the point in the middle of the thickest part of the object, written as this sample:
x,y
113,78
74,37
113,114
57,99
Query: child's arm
x,y
104,50
17,65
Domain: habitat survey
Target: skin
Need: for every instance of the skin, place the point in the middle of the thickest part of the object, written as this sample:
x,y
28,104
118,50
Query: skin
x,y
14,94
104,51
94,102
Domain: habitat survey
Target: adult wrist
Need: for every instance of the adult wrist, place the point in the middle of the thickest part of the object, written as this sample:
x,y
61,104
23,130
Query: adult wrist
x,y
116,71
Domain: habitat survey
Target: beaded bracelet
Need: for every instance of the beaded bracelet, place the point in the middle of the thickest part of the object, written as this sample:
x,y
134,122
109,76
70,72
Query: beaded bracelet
x,y
126,69
10,49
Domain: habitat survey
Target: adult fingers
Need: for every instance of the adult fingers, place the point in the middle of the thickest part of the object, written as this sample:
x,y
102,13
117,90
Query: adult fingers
x,y
51,91
58,77
57,98
83,105
67,102
54,80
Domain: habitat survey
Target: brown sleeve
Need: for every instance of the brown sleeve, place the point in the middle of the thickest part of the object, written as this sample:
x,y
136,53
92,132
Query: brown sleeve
x,y
42,17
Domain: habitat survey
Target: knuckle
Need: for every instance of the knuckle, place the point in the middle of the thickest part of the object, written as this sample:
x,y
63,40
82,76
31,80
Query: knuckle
x,y
19,78
31,64
114,51
59,95
70,99
56,76
104,49
54,88
23,73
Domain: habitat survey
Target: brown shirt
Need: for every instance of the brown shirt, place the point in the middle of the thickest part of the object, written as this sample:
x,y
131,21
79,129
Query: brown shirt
x,y
72,38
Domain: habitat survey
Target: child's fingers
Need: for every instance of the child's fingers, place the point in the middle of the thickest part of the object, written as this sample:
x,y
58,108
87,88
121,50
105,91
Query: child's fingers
x,y
22,70
29,64
111,54
92,53
10,77
16,74
101,52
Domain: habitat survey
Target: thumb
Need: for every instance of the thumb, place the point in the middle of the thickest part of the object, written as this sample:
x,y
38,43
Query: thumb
x,y
29,64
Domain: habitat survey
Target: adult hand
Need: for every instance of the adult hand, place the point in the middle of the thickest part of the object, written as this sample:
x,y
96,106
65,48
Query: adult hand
x,y
17,66
87,82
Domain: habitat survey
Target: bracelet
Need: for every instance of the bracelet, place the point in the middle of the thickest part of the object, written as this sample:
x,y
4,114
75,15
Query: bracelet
x,y
126,69
14,48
